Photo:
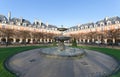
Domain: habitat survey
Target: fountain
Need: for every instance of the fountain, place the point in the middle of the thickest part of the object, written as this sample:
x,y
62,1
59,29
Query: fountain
x,y
62,50
61,39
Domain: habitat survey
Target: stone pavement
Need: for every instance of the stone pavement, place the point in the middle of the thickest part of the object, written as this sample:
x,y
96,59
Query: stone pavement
x,y
33,64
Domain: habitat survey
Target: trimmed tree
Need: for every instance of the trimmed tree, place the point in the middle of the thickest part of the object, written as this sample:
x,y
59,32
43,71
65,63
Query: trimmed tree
x,y
74,43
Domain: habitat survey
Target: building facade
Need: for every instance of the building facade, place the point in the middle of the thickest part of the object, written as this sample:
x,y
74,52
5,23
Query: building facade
x,y
103,31
44,32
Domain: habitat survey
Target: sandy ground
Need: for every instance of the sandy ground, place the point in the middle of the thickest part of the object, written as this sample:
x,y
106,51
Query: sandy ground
x,y
33,64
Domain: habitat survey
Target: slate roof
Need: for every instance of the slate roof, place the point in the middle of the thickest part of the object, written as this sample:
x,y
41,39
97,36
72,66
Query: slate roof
x,y
22,21
3,18
41,24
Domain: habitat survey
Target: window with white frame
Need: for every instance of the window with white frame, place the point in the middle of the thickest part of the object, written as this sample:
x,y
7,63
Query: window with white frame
x,y
24,24
91,26
82,28
95,25
12,23
4,22
117,22
86,27
19,23
102,24
108,22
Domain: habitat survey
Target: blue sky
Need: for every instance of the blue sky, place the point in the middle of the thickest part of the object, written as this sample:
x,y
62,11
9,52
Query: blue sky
x,y
61,12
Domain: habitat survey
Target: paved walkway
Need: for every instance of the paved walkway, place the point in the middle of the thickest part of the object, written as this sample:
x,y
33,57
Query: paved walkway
x,y
33,64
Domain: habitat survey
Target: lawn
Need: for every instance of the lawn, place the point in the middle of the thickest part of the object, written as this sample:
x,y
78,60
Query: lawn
x,y
110,51
7,52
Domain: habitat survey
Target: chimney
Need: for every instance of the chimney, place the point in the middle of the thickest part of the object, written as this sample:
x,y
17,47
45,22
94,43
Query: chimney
x,y
47,24
9,16
78,25
21,19
106,18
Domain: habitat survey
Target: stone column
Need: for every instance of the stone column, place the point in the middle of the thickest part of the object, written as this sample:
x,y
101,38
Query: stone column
x,y
14,40
0,39
31,41
88,41
51,40
48,40
80,40
6,39
113,41
21,40
83,40
93,40
105,41
44,40
26,40
40,40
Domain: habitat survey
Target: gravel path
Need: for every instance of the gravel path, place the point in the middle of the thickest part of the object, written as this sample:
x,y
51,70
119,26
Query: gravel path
x,y
33,64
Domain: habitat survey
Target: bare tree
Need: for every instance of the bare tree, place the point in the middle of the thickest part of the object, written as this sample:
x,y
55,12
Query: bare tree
x,y
113,34
7,33
24,34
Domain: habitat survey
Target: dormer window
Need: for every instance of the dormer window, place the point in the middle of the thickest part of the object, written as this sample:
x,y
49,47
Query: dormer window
x,y
108,22
16,20
12,23
78,28
55,28
95,25
82,27
72,29
101,24
4,22
19,23
91,26
24,24
117,22
52,28
43,26
86,27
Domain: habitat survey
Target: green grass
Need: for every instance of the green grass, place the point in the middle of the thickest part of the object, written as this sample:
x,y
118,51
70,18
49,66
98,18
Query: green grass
x,y
7,52
109,51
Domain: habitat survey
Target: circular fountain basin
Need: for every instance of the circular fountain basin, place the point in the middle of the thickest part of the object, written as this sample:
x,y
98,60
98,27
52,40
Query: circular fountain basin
x,y
68,52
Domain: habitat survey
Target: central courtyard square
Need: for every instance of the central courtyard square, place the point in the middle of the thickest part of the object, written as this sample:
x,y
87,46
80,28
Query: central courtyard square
x,y
33,63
